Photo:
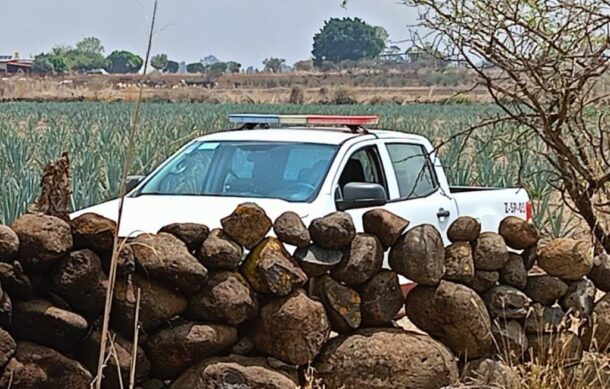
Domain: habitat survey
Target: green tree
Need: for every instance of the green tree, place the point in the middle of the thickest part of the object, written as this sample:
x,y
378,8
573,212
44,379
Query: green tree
x,y
217,69
274,65
348,39
124,62
172,67
159,62
195,67
90,45
49,64
233,67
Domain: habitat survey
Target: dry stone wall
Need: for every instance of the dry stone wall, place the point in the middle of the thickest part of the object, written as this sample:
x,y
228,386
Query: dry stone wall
x,y
232,307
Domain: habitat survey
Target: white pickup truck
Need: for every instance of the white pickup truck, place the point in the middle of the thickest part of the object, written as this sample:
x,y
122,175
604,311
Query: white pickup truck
x,y
312,169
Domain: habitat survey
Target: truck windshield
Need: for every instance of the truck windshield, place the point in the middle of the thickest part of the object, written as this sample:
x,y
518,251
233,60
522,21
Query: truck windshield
x,y
281,170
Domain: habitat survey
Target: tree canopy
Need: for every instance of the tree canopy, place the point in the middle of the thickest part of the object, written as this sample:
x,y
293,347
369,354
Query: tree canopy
x,y
274,65
348,39
195,67
159,62
124,62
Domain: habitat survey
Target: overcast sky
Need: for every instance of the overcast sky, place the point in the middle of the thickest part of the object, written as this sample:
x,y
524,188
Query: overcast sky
x,y
247,31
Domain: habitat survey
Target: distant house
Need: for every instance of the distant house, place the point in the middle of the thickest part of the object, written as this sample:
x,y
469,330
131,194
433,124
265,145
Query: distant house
x,y
11,64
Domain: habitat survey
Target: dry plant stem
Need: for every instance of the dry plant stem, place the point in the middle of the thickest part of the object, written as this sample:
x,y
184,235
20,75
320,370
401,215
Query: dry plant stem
x,y
136,332
128,160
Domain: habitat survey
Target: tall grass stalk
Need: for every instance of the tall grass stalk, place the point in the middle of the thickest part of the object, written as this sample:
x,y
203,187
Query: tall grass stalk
x,y
133,130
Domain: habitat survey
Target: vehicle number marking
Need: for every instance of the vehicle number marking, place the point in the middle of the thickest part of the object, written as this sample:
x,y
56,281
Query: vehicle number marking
x,y
514,207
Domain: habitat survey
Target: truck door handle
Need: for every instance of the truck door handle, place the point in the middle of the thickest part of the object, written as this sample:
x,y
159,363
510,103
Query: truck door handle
x,y
443,213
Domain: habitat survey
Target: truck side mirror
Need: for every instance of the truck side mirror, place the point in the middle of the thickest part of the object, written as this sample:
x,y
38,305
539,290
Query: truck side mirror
x,y
362,195
132,181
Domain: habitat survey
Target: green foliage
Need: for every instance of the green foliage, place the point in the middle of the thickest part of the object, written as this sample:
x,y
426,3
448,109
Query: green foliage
x,y
90,45
172,67
159,62
233,67
217,69
124,62
274,65
195,67
49,64
87,55
348,39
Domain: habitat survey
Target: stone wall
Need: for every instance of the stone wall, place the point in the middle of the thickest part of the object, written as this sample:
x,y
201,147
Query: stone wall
x,y
213,316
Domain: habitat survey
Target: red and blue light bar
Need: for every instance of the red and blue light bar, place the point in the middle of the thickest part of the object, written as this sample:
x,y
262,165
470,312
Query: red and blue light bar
x,y
329,120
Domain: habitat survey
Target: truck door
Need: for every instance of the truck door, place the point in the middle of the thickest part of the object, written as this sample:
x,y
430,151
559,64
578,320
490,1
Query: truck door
x,y
414,188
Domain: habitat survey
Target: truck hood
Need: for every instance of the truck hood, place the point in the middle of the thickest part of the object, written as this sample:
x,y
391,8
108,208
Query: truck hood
x,y
147,214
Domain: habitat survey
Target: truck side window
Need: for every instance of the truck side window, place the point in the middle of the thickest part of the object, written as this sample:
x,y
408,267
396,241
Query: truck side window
x,y
363,166
413,170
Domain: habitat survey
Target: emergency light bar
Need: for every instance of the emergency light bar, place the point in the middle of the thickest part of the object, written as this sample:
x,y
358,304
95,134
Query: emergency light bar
x,y
251,120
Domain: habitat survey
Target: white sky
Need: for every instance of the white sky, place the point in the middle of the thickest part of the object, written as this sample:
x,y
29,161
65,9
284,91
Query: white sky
x,y
247,31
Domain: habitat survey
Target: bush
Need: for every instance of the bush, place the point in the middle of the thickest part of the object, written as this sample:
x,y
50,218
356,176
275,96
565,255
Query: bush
x,y
344,95
297,95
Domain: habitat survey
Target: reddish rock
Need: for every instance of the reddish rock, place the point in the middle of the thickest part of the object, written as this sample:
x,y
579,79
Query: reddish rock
x,y
247,225
192,234
518,233
9,244
218,251
459,263
15,281
566,258
464,229
333,231
384,224
94,232
290,229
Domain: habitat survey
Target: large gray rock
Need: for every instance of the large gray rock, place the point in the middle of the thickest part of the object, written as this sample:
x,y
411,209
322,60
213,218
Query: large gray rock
x,y
42,240
600,273
40,322
483,281
490,252
384,224
362,261
518,233
505,302
173,350
9,244
247,225
386,358
290,229
545,289
459,263
35,366
566,258
455,315
514,273
192,234
235,371
292,328
218,251
166,258
316,261
333,231
382,298
226,298
464,229
419,255
580,298
94,232
79,280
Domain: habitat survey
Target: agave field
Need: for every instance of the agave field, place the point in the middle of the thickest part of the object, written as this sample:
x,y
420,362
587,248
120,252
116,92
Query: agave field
x,y
94,135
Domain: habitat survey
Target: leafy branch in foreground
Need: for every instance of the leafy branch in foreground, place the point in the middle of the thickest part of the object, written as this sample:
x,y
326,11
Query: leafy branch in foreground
x,y
543,63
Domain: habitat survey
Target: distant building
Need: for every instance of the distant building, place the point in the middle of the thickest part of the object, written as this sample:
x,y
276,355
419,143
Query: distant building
x,y
11,64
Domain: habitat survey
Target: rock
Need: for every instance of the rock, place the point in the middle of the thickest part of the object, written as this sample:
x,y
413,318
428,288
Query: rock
x,y
487,373
94,232
362,261
218,251
459,263
79,280
290,229
7,347
192,234
15,281
35,366
483,281
455,315
247,225
542,319
293,328
226,298
333,231
167,259
506,302
514,273
315,260
600,273
419,255
556,349
490,252
385,225
173,350
386,358
545,289
120,360
270,269
9,244
382,298
341,302
6,309
597,335
40,322
580,298
530,256
42,240
510,340
244,346
464,229
158,304
518,233
566,258
235,371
